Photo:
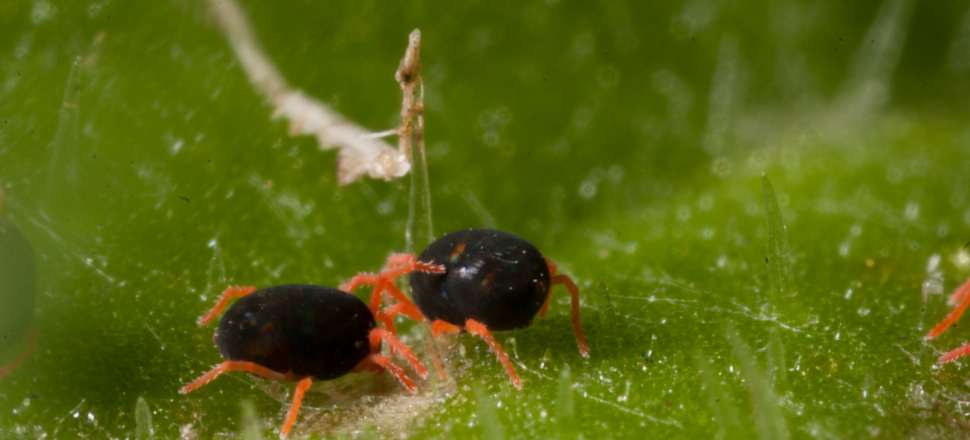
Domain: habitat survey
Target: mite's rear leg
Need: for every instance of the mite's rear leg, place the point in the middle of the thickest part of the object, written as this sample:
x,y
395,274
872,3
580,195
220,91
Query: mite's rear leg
x,y
566,281
404,305
378,334
301,388
434,357
227,295
227,366
478,329
962,351
953,316
377,363
958,294
397,265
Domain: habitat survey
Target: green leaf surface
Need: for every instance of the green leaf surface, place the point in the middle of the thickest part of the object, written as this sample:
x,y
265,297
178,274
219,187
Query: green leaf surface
x,y
631,142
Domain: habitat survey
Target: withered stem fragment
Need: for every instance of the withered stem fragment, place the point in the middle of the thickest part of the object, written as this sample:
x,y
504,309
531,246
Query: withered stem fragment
x,y
359,155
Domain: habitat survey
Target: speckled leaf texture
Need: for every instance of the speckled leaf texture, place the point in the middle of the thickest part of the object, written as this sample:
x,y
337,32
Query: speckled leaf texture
x,y
764,204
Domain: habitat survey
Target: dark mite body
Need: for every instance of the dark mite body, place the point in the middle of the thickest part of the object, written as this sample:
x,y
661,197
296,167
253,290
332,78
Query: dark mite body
x,y
493,277
298,328
302,333
475,281
17,292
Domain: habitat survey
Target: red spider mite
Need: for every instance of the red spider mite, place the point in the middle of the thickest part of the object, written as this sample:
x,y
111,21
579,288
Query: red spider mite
x,y
960,298
17,279
492,281
300,333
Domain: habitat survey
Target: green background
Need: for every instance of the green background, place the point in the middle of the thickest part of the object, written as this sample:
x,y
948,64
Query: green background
x,y
625,139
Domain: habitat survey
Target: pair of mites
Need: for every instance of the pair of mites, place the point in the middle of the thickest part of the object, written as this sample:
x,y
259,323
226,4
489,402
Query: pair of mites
x,y
476,280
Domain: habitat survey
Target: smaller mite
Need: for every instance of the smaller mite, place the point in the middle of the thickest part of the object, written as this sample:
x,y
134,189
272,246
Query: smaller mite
x,y
300,333
492,281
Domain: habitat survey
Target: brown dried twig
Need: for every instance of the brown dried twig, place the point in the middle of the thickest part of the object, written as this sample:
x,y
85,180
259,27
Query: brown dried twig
x,y
408,75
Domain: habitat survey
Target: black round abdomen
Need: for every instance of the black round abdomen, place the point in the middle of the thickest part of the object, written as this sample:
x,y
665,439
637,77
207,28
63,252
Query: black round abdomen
x,y
300,329
17,278
493,277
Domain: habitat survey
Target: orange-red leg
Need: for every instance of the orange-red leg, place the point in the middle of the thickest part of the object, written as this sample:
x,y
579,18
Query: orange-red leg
x,y
959,293
574,292
377,362
399,259
438,327
404,304
952,317
227,366
301,388
31,347
397,265
478,329
227,295
955,354
366,279
577,327
378,334
387,319
434,359
400,264
359,280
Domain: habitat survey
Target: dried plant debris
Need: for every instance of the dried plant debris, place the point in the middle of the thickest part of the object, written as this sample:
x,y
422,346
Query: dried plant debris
x,y
386,410
360,152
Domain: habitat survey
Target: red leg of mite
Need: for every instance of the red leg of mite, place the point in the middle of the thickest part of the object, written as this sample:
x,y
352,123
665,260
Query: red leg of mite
x,y
393,311
388,321
404,304
377,295
955,354
24,355
227,295
397,265
577,327
397,260
959,294
553,269
950,319
434,359
395,371
438,327
476,328
227,366
295,405
358,280
379,334
400,264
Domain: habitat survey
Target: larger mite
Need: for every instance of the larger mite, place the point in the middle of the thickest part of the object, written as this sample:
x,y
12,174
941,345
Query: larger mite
x,y
493,281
